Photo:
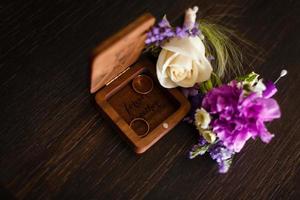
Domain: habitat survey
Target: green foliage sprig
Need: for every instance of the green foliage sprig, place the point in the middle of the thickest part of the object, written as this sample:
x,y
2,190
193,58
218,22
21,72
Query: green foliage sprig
x,y
225,46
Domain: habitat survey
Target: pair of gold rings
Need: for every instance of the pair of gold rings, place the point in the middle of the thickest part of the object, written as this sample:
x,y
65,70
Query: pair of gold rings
x,y
141,84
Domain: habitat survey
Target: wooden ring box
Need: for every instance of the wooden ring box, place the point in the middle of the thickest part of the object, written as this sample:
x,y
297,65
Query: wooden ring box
x,y
116,62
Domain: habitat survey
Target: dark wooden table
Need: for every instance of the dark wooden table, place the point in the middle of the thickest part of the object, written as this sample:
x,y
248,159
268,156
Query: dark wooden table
x,y
56,145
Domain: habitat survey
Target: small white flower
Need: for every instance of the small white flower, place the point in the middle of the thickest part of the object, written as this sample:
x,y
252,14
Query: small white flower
x,y
259,87
209,136
202,119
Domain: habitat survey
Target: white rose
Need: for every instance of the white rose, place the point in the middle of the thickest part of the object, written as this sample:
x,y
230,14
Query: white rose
x,y
182,62
202,119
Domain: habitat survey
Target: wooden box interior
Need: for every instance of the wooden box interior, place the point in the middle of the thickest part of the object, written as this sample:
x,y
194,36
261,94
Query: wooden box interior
x,y
161,108
154,107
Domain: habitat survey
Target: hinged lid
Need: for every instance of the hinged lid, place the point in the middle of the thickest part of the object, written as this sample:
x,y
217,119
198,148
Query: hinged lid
x,y
119,51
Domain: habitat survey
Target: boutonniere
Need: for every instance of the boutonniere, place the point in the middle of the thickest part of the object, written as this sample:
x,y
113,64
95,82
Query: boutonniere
x,y
195,57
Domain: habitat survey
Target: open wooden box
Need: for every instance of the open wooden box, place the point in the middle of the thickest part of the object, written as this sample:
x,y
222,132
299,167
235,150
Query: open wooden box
x,y
116,63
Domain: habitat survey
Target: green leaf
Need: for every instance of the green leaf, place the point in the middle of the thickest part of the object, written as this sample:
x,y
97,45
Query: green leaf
x,y
250,78
216,81
198,150
208,85
202,88
153,50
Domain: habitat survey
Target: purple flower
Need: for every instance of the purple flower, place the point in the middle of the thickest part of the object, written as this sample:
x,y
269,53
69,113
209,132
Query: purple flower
x,y
181,32
210,58
237,118
195,31
222,156
159,33
199,149
195,99
201,141
164,23
163,31
192,91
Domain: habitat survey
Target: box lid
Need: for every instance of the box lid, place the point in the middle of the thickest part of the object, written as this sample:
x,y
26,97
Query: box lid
x,y
118,52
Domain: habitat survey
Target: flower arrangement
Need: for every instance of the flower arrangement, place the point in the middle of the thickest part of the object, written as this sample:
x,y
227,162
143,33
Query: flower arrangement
x,y
226,115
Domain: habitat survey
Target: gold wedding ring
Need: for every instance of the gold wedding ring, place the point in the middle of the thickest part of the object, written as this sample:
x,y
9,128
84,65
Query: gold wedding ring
x,y
142,84
140,126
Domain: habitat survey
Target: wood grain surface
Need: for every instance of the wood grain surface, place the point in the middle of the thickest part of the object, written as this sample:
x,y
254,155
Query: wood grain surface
x,y
56,145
